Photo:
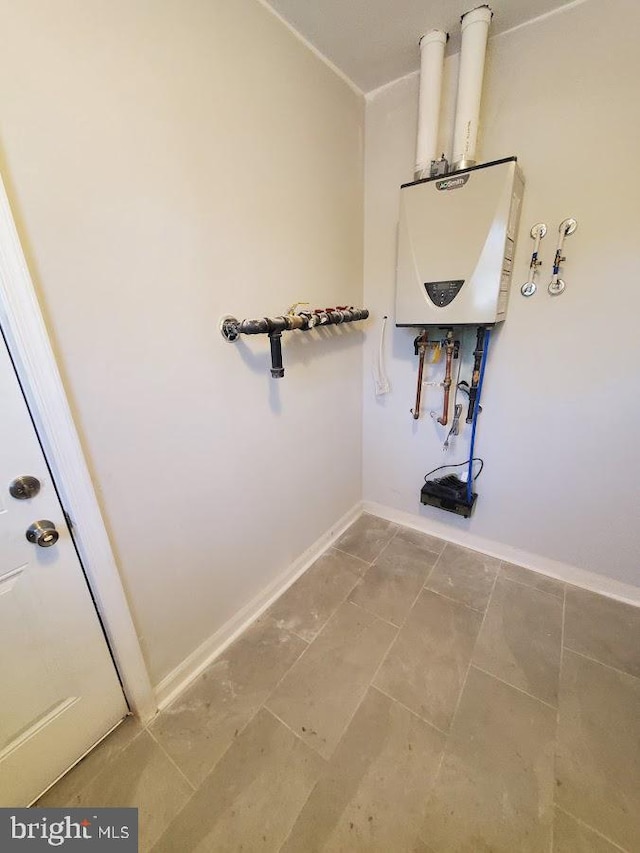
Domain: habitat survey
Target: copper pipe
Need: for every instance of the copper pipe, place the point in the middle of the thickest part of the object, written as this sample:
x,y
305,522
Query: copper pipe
x,y
421,343
449,344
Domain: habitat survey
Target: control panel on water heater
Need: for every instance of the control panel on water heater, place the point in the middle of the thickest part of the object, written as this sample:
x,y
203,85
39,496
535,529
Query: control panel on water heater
x,y
456,241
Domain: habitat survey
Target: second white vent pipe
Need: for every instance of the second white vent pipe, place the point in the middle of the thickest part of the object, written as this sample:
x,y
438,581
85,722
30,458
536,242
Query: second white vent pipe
x,y
475,31
431,63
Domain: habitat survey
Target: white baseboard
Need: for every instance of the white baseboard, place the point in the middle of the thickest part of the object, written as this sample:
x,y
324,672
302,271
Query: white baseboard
x,y
552,568
186,672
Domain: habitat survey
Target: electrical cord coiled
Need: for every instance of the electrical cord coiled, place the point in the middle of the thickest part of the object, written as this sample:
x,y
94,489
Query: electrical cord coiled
x,y
459,465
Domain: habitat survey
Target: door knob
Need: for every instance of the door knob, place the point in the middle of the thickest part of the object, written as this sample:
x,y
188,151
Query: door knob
x,y
43,533
23,488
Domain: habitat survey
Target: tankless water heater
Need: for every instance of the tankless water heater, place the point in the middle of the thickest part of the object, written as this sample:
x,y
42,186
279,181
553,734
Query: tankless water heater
x,y
456,244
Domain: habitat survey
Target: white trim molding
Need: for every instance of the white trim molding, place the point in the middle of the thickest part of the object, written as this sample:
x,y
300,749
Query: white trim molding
x,y
23,326
173,684
543,565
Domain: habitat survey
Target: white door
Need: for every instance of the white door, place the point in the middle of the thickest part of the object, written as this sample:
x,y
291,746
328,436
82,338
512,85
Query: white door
x,y
59,691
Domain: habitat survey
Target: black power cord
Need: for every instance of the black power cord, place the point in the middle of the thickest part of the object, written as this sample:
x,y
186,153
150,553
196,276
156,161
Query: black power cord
x,y
464,387
458,465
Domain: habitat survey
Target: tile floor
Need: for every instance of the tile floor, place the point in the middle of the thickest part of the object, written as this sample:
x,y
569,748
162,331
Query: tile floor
x,y
403,695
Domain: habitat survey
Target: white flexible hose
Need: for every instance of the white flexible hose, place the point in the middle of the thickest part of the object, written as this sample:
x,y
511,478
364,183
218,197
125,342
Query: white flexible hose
x,y
381,382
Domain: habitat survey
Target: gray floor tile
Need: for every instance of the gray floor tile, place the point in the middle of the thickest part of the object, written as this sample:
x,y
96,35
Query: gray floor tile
x,y
603,629
321,692
598,761
392,583
140,776
465,576
426,666
422,540
306,607
87,769
251,800
521,637
570,836
367,537
197,728
373,795
298,683
534,579
494,791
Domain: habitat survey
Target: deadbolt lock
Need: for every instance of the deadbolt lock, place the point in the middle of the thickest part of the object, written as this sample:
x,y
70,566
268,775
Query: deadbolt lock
x,y
43,533
23,488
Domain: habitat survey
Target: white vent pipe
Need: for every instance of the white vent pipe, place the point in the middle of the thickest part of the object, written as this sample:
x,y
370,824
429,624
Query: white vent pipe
x,y
475,31
431,63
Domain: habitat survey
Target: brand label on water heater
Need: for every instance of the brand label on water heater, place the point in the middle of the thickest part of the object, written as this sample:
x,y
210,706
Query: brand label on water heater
x,y
453,183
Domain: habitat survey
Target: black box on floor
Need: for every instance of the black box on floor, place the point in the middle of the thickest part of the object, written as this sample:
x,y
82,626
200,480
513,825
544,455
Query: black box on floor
x,y
448,493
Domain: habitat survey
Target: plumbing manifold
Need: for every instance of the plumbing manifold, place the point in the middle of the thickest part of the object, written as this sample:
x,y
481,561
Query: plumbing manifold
x,y
231,328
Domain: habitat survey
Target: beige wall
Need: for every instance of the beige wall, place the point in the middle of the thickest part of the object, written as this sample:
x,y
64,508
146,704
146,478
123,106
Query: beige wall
x,y
169,162
559,432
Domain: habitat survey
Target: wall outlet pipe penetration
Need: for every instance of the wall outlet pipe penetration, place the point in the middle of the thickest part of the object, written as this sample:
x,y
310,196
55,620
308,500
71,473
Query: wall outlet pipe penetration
x,y
303,321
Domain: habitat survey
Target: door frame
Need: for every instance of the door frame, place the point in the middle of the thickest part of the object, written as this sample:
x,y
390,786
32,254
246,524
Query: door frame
x,y
30,348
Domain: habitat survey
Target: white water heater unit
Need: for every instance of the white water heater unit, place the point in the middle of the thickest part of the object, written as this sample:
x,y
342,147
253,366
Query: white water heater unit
x,y
456,244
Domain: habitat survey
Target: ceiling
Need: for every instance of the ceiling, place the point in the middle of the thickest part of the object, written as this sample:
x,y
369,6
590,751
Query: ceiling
x,y
376,41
